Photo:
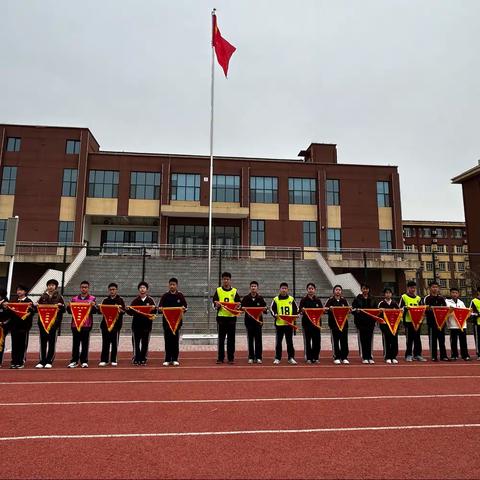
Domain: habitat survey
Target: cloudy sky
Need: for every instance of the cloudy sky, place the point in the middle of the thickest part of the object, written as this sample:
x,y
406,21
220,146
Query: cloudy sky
x,y
389,81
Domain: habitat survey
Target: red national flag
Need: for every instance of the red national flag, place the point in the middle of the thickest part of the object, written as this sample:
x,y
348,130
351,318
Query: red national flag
x,y
173,316
223,49
47,314
372,312
417,314
393,317
440,314
340,314
80,312
255,313
290,319
231,307
20,309
314,315
145,310
460,315
110,314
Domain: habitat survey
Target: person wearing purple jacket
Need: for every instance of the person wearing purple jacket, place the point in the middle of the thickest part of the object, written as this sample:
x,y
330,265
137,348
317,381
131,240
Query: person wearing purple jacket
x,y
82,337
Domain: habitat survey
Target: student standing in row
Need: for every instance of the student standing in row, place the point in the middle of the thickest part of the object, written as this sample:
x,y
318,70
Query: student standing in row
x,y
475,306
434,299
20,330
390,341
457,334
5,317
311,333
365,323
339,337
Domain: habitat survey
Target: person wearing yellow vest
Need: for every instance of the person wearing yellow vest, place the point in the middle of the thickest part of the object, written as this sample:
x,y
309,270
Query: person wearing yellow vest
x,y
226,321
411,299
475,306
284,304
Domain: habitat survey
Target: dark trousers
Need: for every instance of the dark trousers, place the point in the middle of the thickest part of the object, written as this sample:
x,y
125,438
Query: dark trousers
x,y
80,338
171,343
340,343
456,334
311,340
226,328
435,335
413,340
19,346
476,334
140,341
109,339
6,331
48,343
287,332
365,340
254,339
390,343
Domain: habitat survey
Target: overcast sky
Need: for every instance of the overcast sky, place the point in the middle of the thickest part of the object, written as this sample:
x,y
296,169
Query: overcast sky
x,y
390,82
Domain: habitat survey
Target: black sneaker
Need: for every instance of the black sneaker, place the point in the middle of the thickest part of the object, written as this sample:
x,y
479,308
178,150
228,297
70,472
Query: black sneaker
x,y
218,362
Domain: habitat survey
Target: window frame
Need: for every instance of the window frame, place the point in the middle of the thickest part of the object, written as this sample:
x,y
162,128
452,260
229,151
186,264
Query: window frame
x,y
308,196
185,187
94,187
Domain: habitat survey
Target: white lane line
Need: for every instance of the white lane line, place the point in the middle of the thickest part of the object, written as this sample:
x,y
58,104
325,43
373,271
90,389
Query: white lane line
x,y
241,432
238,400
240,380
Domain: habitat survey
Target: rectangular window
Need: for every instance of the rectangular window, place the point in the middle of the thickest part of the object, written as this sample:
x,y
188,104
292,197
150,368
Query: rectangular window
x,y
426,232
264,189
441,233
301,191
334,239
226,188
145,185
103,184
461,266
459,249
129,236
9,179
457,233
3,230
462,283
407,232
13,144
185,186
429,266
442,282
332,189
442,267
441,248
383,194
309,234
69,185
427,248
385,239
257,232
73,147
65,232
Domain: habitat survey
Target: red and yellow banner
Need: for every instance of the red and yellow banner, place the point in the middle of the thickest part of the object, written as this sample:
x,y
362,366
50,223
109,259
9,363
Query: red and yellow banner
x,y
460,315
290,319
145,310
110,314
314,315
440,314
372,312
393,317
20,309
47,314
2,338
340,314
417,314
173,316
80,312
255,313
231,307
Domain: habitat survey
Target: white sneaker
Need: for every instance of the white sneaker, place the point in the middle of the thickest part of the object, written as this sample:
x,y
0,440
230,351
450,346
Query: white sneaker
x,y
166,364
84,365
250,360
337,361
308,362
72,365
371,361
292,361
345,362
409,358
175,363
276,361
388,360
114,364
259,361
48,365
102,364
395,361
365,361
39,365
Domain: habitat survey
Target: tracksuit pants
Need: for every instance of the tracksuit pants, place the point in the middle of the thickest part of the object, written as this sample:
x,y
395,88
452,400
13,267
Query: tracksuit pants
x,y
172,341
340,342
311,340
80,339
413,340
365,340
48,343
109,340
254,339
437,336
287,332
476,334
19,346
456,334
226,327
390,343
140,341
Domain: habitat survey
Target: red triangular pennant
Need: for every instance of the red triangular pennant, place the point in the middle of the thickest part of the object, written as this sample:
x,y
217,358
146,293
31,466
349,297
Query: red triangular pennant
x,y
340,314
47,314
393,317
20,309
440,314
231,307
110,314
173,316
80,312
417,314
290,319
255,313
2,338
460,315
314,315
145,310
372,312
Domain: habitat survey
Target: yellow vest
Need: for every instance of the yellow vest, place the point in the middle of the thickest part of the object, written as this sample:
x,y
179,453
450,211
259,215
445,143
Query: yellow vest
x,y
284,307
226,296
410,302
476,302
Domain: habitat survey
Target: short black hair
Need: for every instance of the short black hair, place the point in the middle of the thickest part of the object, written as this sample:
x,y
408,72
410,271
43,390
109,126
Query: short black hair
x,y
20,286
311,284
226,275
454,289
173,280
387,289
432,283
411,283
335,286
84,282
52,281
364,285
113,284
254,282
142,284
284,284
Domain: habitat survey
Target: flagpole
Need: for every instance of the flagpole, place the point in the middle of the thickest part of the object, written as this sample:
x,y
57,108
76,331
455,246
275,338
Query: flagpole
x,y
212,91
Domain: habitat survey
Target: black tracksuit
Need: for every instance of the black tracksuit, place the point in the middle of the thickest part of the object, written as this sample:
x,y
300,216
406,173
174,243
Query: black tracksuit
x,y
390,341
311,333
5,324
141,329
20,330
48,341
110,339
365,325
254,328
434,334
172,340
339,338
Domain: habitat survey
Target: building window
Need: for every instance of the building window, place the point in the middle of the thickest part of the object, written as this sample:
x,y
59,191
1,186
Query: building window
x,y
257,232
9,179
73,147
65,232
145,185
385,239
333,192
427,248
129,236
462,283
264,189
442,282
13,144
383,194
459,249
426,232
103,184
226,188
429,266
309,234
461,266
185,186
301,191
441,248
3,230
442,267
407,232
334,239
457,233
441,233
190,235
69,185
